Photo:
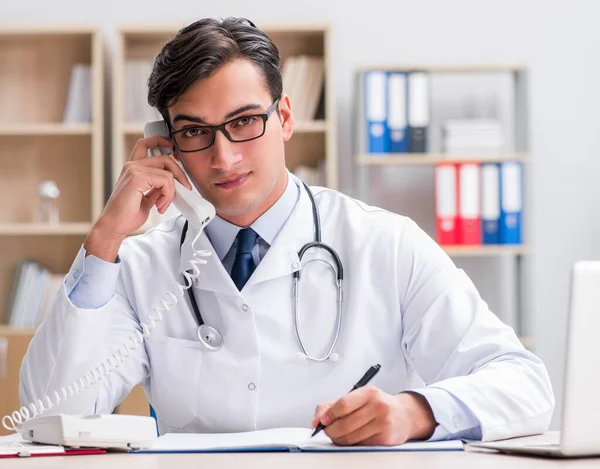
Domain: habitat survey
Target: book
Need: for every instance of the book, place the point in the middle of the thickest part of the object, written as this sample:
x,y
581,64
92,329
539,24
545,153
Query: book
x,y
303,81
137,109
276,440
78,108
34,289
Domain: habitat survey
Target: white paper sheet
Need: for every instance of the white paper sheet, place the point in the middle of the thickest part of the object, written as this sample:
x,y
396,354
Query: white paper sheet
x,y
15,444
277,437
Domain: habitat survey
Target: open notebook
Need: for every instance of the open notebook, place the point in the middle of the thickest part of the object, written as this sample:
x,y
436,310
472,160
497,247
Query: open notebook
x,y
277,439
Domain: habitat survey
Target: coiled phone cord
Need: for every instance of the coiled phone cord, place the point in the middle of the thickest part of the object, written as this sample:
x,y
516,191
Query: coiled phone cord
x,y
95,376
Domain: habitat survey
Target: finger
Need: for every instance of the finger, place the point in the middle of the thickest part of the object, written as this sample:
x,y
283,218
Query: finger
x,y
166,193
165,162
347,404
140,150
368,434
319,411
349,424
147,178
150,198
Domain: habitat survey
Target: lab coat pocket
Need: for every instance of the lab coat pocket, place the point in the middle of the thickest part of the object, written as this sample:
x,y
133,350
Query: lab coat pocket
x,y
174,373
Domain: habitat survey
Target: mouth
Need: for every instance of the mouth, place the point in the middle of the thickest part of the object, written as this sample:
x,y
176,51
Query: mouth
x,y
234,181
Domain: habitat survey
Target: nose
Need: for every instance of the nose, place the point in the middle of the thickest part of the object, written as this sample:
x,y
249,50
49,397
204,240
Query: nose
x,y
225,154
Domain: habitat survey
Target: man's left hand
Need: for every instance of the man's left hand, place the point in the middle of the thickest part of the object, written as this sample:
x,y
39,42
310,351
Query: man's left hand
x,y
369,416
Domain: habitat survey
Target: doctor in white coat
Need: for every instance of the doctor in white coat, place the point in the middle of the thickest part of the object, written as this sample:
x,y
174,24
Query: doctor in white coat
x,y
449,367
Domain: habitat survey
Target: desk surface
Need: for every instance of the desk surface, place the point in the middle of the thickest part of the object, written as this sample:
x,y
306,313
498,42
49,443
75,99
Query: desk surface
x,y
470,459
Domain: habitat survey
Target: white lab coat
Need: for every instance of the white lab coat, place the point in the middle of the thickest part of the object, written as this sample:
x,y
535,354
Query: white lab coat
x,y
406,306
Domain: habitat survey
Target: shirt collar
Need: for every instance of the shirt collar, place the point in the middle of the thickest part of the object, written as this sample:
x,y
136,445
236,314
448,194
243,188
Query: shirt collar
x,y
222,233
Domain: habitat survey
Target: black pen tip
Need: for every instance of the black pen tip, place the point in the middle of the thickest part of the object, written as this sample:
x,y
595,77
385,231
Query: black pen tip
x,y
317,430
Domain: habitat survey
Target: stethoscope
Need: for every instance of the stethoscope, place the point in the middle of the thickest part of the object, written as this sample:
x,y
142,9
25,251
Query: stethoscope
x,y
212,339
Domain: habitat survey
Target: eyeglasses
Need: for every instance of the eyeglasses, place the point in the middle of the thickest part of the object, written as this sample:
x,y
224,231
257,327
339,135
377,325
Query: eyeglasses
x,y
240,129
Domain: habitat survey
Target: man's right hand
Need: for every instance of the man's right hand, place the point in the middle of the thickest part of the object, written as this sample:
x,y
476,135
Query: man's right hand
x,y
143,183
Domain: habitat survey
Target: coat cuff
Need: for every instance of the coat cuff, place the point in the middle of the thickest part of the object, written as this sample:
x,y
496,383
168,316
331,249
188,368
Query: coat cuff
x,y
91,282
454,419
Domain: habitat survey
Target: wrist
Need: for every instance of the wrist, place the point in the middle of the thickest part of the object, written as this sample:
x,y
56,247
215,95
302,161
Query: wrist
x,y
420,416
103,243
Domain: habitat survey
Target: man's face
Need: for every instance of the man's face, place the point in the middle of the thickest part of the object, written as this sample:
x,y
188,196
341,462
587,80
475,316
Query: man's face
x,y
241,179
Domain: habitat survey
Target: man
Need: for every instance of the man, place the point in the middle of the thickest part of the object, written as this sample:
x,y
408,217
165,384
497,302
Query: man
x,y
450,368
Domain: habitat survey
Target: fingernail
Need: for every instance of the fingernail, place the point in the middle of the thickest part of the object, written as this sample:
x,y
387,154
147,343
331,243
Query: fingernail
x,y
325,420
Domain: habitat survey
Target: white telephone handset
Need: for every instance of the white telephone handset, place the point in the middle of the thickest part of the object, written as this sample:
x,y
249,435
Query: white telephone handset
x,y
192,206
114,431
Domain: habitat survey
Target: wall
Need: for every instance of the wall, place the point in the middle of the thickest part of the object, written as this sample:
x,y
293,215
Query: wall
x,y
556,39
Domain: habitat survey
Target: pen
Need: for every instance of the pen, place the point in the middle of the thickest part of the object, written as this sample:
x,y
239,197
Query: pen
x,y
368,376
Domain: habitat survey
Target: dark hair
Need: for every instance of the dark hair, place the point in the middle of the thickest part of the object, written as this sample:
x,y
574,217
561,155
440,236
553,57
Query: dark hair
x,y
200,49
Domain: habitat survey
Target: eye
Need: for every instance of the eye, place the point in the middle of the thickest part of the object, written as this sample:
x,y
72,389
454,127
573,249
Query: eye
x,y
194,132
243,121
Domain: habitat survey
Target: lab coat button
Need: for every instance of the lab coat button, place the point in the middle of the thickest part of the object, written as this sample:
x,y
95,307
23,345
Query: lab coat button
x,y
295,265
244,307
75,272
252,386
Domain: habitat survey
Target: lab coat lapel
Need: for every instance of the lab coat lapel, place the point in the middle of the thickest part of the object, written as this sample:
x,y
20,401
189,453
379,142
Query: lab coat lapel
x,y
213,276
282,257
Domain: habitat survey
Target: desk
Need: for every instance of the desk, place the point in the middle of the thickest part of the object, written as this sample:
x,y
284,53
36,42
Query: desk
x,y
470,459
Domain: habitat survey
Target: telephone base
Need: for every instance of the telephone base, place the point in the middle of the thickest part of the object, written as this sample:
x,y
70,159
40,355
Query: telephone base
x,y
92,431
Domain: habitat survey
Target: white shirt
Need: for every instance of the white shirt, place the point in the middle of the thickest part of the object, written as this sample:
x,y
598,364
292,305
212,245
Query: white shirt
x,y
406,306
222,234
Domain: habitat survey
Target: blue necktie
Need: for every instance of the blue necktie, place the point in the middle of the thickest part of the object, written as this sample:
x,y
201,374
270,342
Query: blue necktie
x,y
243,265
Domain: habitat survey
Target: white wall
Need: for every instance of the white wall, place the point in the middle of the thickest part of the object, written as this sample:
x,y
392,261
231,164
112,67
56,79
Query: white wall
x,y
557,40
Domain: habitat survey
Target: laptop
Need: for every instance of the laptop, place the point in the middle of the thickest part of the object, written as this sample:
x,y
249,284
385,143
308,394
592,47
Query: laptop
x,y
580,429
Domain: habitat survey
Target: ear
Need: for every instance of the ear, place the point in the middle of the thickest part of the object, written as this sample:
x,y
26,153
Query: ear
x,y
286,117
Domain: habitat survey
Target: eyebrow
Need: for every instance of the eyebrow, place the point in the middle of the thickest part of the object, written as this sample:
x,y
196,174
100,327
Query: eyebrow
x,y
199,120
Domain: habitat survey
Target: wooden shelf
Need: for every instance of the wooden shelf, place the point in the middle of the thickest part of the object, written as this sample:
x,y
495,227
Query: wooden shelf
x,y
152,30
45,129
11,331
317,126
37,68
44,229
424,159
491,250
133,128
43,29
450,68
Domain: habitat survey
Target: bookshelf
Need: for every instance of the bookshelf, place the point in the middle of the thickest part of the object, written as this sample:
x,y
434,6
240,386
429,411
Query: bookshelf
x,y
36,144
515,149
314,141
424,159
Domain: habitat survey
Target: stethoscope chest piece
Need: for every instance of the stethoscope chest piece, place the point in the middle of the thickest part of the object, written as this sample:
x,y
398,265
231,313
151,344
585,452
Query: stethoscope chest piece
x,y
210,338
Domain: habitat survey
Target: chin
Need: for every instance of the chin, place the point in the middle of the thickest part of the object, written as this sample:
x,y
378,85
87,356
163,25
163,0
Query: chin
x,y
236,209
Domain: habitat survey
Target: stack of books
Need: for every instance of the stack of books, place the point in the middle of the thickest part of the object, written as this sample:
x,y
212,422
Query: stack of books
x,y
395,112
478,203
33,291
137,109
473,136
303,78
